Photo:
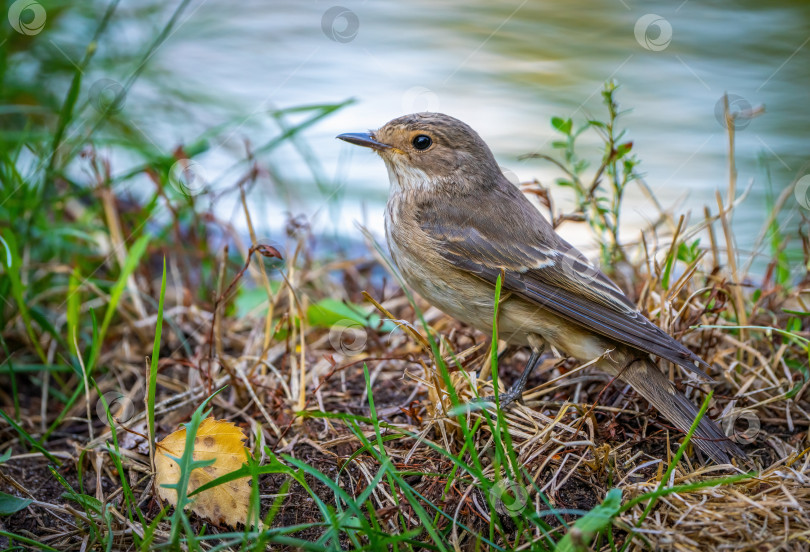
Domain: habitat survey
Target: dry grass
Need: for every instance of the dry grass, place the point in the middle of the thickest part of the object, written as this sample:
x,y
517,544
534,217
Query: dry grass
x,y
574,448
578,435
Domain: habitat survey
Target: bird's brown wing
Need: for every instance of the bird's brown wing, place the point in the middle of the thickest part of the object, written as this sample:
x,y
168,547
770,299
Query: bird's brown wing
x,y
511,235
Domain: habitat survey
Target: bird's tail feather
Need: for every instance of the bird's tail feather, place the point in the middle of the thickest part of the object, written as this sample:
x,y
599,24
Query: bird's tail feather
x,y
654,386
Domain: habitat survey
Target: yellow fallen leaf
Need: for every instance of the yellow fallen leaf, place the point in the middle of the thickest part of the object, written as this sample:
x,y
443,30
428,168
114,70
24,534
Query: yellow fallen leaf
x,y
224,443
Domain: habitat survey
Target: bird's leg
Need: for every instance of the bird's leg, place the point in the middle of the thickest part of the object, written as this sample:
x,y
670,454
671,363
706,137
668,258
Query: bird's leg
x,y
515,393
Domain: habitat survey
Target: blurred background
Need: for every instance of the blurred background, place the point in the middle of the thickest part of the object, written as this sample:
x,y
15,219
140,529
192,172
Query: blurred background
x,y
171,189
220,79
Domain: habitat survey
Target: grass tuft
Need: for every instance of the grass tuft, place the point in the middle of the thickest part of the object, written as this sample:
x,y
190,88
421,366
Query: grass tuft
x,y
125,312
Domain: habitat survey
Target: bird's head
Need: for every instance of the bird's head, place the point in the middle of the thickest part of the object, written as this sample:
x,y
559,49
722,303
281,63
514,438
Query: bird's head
x,y
431,151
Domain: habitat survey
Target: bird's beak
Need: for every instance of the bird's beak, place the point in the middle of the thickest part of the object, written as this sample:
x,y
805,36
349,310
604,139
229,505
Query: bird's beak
x,y
364,139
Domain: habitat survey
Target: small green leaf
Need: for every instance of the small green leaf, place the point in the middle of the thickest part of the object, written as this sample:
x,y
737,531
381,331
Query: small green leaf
x,y
793,325
563,125
328,312
623,149
580,166
688,252
85,501
798,367
10,504
353,522
250,298
598,519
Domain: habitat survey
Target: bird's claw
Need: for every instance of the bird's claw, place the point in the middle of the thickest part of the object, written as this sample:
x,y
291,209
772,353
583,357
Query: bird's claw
x,y
506,398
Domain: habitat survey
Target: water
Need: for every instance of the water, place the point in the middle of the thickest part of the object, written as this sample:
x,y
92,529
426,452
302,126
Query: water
x,y
506,68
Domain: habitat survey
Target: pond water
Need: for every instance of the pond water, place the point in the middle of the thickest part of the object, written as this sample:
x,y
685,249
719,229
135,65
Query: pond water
x,y
506,68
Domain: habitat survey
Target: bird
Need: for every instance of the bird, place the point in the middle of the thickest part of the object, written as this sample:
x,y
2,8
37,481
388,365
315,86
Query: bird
x,y
455,224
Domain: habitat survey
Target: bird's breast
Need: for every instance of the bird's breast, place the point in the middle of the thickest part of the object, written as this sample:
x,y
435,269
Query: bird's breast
x,y
415,254
467,297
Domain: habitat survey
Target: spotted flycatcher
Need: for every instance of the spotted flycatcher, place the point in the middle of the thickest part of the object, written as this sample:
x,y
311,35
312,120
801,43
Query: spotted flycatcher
x,y
454,223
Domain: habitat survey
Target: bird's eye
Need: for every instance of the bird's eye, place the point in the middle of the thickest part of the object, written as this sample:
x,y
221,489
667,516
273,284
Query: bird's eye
x,y
422,142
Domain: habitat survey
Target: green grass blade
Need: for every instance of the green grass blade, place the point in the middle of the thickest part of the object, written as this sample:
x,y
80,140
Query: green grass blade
x,y
14,270
133,258
12,537
30,440
595,521
153,366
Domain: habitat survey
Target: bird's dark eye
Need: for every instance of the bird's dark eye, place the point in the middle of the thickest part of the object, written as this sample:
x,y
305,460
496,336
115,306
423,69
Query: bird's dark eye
x,y
421,142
